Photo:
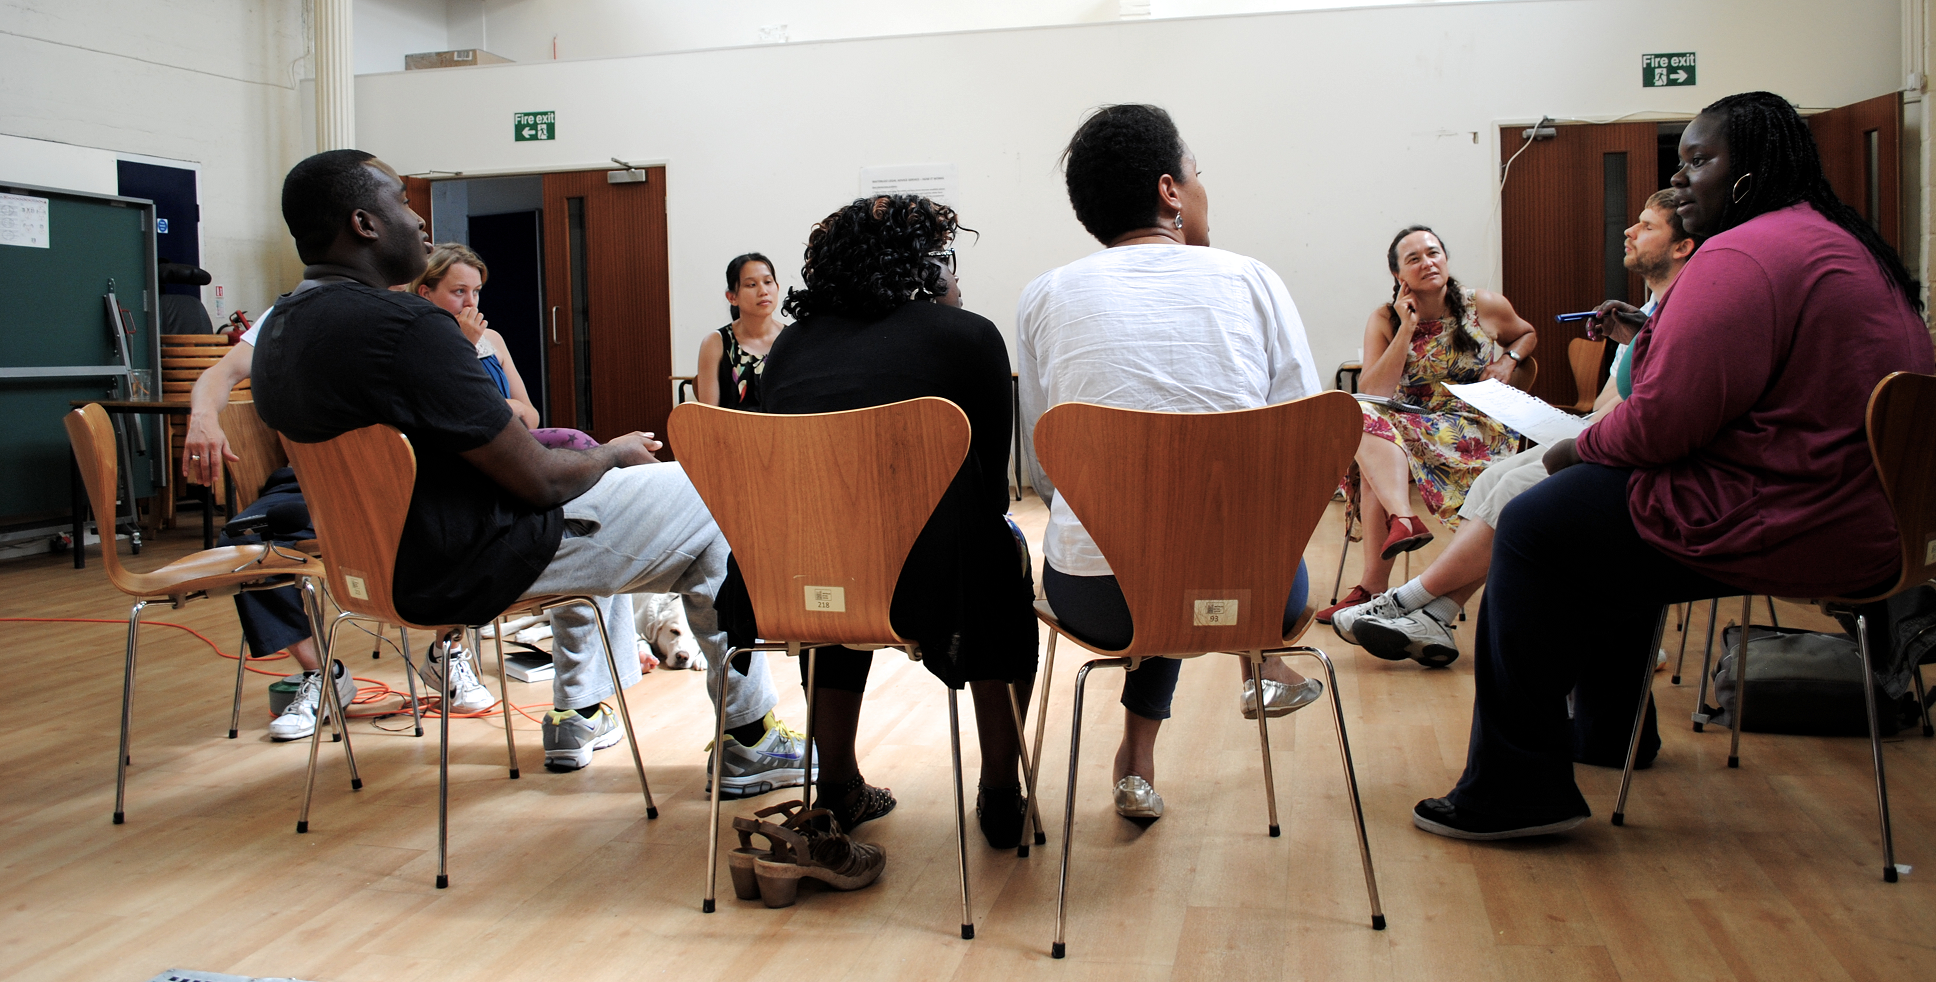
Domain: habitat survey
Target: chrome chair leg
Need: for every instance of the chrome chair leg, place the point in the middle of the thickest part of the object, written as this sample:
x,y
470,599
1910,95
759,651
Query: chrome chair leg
x,y
1034,770
961,815
1740,683
1875,751
1343,551
121,760
445,697
806,775
340,717
624,711
1774,619
1256,659
241,666
1640,720
718,769
504,700
1681,660
1060,950
1707,664
1028,777
1350,781
410,678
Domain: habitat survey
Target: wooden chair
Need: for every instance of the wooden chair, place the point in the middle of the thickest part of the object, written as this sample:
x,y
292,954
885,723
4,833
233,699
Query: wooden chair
x,y
217,572
358,487
1900,408
822,560
1203,518
1585,357
261,453
1522,379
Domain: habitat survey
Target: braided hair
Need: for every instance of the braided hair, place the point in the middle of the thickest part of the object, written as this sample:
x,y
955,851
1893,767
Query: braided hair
x,y
872,256
1771,148
1462,340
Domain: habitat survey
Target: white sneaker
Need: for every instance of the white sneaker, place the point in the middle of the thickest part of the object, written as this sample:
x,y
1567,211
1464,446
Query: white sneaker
x,y
1417,635
298,720
469,695
1382,605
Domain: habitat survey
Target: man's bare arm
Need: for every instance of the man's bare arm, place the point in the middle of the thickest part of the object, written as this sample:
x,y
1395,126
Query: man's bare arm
x,y
547,478
206,446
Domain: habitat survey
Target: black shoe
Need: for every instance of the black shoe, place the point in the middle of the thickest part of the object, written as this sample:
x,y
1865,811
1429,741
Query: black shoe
x,y
1003,813
1437,816
856,802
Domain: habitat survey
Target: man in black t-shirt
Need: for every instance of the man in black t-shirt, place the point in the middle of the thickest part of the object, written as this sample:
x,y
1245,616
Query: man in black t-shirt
x,y
494,515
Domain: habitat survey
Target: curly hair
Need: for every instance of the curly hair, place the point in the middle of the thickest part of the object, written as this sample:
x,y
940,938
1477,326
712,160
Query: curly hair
x,y
872,256
1773,151
1112,165
1462,341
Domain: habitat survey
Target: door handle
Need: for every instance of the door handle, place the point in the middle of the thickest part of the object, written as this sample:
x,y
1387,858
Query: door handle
x,y
554,325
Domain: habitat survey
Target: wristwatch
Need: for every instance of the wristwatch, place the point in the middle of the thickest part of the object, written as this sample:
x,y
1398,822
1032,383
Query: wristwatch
x,y
1514,355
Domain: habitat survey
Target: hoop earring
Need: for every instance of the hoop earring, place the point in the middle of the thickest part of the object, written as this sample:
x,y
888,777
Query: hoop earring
x,y
1735,194
1179,220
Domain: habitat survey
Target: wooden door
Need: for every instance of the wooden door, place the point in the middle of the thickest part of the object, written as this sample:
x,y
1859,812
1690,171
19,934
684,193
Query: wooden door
x,y
1564,212
418,189
608,311
1860,144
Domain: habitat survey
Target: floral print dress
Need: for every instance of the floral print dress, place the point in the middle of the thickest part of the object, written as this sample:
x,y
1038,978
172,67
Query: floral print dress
x,y
1451,442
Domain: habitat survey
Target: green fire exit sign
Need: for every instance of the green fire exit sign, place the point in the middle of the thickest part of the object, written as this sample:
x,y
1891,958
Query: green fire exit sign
x,y
544,125
1672,68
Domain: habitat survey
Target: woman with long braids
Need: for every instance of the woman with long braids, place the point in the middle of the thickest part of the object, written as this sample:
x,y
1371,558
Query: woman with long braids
x,y
1434,331
879,320
1743,469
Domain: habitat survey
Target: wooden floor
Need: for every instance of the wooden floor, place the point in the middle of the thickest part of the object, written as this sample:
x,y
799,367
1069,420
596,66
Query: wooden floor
x,y
1768,872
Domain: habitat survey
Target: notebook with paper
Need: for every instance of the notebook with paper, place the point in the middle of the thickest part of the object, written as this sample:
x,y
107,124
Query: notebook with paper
x,y
1534,418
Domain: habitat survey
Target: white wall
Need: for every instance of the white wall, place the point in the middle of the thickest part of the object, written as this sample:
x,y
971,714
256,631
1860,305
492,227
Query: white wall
x,y
386,30
1319,133
90,81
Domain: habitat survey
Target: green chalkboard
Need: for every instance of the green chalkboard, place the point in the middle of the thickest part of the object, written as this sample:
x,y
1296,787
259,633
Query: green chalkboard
x,y
53,318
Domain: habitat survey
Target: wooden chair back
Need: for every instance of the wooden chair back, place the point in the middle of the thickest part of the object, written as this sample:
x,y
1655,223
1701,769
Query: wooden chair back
x,y
1586,357
257,445
821,509
92,436
357,486
1523,377
1202,516
1900,410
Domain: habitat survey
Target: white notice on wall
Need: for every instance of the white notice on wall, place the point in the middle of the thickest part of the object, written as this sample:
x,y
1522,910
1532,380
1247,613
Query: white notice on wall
x,y
939,183
23,221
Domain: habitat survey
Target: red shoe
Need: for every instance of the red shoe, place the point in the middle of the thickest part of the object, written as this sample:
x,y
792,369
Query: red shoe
x,y
1404,535
1357,596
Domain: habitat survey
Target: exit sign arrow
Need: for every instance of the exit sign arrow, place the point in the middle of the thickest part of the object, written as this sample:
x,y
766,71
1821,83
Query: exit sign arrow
x,y
534,126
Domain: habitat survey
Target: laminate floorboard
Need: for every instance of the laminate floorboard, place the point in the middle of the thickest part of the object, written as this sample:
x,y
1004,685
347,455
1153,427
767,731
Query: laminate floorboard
x,y
1766,872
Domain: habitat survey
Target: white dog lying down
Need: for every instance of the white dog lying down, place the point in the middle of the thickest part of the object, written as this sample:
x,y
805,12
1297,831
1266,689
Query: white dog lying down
x,y
659,619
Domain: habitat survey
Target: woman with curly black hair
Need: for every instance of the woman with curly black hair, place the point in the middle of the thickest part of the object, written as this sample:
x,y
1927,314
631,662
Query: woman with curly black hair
x,y
879,321
1158,321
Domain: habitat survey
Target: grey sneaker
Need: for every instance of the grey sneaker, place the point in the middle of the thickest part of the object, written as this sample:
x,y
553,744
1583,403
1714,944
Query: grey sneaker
x,y
298,719
569,738
1418,635
773,762
468,695
1345,621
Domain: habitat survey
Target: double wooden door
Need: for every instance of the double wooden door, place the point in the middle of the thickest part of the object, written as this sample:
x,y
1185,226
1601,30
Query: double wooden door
x,y
608,310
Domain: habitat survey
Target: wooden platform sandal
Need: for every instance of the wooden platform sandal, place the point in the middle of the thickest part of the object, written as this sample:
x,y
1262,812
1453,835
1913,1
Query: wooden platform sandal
x,y
740,861
809,844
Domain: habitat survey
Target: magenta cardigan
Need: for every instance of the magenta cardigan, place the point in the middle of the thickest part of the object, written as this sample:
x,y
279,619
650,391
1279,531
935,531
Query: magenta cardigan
x,y
1746,425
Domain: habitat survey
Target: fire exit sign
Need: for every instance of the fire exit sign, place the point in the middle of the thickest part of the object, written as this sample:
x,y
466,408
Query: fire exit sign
x,y
543,126
1672,68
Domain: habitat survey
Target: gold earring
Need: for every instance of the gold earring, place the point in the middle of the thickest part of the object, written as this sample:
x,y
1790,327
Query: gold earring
x,y
1735,195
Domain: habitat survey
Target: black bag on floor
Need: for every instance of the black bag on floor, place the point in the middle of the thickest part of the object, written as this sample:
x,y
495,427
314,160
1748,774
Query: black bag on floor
x,y
1802,682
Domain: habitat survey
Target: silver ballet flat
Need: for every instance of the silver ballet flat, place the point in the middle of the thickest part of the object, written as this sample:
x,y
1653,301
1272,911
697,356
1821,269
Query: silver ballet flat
x,y
1136,799
1279,699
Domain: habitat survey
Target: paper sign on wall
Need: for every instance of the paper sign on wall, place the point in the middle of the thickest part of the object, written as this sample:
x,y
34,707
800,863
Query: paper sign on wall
x,y
939,183
23,221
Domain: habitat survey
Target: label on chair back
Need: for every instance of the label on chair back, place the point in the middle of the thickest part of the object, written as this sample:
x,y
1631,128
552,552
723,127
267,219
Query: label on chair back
x,y
357,589
1216,613
832,599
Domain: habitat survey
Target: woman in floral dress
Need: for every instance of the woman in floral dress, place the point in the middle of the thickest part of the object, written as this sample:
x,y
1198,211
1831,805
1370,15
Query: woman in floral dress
x,y
1433,332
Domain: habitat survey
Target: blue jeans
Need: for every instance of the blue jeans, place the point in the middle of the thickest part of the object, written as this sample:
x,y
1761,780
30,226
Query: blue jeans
x,y
1092,608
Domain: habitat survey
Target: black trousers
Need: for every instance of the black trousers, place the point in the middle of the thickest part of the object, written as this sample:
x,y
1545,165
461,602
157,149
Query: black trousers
x,y
1571,601
272,619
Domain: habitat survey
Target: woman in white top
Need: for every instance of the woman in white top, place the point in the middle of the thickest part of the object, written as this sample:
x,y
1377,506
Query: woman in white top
x,y
1155,321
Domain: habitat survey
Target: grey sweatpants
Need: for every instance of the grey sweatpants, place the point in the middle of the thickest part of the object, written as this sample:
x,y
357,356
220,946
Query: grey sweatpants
x,y
641,530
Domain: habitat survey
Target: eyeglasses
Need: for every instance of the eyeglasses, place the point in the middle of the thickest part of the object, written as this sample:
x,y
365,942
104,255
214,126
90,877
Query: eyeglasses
x,y
944,258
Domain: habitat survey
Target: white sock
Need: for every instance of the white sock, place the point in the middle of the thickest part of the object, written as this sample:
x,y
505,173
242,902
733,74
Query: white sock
x,y
1443,609
1413,595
